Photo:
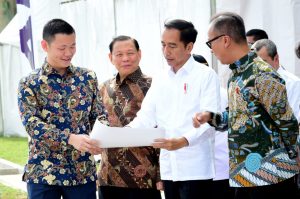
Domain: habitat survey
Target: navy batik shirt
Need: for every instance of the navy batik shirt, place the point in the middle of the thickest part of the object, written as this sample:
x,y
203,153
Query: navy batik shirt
x,y
51,108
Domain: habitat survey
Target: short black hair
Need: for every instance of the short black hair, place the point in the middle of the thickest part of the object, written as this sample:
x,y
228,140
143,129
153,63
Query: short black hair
x,y
56,26
257,34
297,49
123,38
231,24
200,59
188,33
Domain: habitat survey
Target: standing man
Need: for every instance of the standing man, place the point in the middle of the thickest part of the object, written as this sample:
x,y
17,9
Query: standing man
x,y
220,183
59,104
261,125
254,35
297,49
186,87
267,50
128,173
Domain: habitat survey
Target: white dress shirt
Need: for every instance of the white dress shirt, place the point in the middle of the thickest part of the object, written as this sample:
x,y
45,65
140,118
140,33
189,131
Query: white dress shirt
x,y
221,145
171,102
293,90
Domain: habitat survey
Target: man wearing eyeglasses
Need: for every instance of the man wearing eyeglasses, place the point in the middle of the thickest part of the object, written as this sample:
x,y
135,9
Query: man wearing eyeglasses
x,y
262,128
186,87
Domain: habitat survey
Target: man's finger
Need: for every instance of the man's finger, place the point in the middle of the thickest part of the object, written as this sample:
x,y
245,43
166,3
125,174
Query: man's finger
x,y
160,140
158,145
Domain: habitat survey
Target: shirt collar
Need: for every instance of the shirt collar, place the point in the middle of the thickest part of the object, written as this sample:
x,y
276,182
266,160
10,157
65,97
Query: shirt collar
x,y
47,69
243,63
133,77
281,68
187,67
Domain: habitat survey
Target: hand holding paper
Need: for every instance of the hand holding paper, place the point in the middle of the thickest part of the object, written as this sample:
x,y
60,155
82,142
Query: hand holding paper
x,y
84,143
111,137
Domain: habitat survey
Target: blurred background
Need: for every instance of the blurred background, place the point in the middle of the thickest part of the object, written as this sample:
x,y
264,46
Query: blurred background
x,y
96,22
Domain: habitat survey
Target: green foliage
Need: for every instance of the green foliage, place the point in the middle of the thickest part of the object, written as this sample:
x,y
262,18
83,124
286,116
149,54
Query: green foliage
x,y
7,9
14,149
10,193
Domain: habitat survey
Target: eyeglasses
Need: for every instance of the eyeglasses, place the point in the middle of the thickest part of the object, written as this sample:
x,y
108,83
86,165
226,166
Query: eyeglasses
x,y
208,43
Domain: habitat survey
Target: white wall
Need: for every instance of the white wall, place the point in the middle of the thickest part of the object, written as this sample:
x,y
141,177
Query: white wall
x,y
13,66
279,18
97,21
96,24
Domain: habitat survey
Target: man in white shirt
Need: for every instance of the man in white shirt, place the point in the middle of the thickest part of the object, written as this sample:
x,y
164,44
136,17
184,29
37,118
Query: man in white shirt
x,y
221,188
186,87
221,181
267,50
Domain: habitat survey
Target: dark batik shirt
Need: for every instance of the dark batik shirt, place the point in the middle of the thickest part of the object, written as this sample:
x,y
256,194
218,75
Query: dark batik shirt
x,y
262,128
135,167
51,108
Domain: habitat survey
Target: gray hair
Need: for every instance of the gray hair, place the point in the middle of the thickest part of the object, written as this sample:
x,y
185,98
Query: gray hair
x,y
270,46
231,24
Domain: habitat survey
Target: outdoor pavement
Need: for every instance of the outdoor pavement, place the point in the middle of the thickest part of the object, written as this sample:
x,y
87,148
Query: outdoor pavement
x,y
11,175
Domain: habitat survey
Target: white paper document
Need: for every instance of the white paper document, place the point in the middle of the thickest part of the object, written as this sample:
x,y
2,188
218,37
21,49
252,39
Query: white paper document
x,y
111,137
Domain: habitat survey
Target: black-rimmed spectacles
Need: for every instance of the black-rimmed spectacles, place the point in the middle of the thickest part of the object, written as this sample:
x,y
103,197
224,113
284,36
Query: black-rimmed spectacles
x,y
208,43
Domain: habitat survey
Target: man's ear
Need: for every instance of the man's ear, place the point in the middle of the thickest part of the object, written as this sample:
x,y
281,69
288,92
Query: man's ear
x,y
227,41
276,58
110,57
139,54
190,46
44,45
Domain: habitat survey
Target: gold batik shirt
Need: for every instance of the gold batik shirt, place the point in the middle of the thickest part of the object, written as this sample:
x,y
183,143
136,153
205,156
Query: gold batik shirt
x,y
134,167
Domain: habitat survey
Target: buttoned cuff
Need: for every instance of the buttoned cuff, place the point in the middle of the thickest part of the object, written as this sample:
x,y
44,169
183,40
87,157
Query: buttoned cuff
x,y
195,133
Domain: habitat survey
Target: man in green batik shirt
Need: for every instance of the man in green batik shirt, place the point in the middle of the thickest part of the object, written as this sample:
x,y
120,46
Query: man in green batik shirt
x,y
262,128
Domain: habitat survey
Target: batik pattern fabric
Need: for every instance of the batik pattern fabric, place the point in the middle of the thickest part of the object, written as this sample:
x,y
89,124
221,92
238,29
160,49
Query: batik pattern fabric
x,y
134,167
262,128
51,108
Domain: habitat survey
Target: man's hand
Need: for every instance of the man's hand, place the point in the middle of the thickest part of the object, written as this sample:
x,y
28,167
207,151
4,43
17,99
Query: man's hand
x,y
201,118
84,143
170,144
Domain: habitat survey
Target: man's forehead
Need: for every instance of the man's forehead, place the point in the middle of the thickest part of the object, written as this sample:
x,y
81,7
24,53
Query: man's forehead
x,y
211,31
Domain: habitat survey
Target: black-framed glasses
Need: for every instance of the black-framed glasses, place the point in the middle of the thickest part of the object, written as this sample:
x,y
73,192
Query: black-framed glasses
x,y
208,43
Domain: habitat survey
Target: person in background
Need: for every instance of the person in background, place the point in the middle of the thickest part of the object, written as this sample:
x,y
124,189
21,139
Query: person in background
x,y
255,34
220,183
186,87
59,104
262,128
200,59
297,49
267,50
128,173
